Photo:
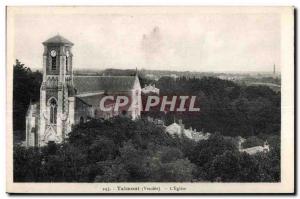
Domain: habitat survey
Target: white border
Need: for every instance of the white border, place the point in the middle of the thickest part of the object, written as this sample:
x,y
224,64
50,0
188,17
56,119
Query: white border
x,y
287,125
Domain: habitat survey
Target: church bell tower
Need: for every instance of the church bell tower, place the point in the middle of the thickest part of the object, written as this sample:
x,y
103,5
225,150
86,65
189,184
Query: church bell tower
x,y
55,90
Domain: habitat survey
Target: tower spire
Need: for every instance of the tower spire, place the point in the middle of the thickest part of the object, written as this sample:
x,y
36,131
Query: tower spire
x,y
136,71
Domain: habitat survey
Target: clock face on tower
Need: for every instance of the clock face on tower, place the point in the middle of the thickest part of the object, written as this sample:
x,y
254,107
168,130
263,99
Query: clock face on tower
x,y
53,53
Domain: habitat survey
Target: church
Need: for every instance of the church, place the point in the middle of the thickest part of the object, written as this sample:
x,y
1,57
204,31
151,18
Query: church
x,y
67,99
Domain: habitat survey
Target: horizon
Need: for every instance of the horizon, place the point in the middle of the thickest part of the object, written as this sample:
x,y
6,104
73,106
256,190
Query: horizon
x,y
157,70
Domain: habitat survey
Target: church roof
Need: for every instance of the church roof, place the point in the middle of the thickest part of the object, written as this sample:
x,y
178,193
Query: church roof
x,y
90,84
57,40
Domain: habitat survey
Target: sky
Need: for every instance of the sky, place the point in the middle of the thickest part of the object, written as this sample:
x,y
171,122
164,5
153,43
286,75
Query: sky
x,y
202,42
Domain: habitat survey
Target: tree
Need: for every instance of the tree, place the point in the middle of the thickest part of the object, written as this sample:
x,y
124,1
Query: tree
x,y
180,170
225,167
27,164
269,164
232,166
206,150
26,89
113,173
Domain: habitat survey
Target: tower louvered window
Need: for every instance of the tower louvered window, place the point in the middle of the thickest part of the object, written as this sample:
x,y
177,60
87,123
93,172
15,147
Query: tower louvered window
x,y
67,64
53,111
53,63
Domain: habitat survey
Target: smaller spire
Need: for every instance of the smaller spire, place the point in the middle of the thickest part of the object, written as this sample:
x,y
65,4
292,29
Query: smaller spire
x,y
136,72
274,71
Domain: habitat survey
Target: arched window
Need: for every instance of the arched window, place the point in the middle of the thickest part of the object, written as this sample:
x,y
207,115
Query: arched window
x,y
81,120
53,111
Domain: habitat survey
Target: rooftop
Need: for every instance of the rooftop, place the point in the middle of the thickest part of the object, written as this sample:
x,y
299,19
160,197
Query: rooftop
x,y
94,84
57,40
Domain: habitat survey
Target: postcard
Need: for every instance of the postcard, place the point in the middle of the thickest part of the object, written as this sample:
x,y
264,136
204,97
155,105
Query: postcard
x,y
150,100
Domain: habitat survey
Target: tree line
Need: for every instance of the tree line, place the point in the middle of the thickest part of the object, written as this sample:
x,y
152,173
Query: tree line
x,y
225,107
122,150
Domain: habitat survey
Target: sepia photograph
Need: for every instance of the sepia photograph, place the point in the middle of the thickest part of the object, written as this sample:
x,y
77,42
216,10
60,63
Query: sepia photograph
x,y
150,99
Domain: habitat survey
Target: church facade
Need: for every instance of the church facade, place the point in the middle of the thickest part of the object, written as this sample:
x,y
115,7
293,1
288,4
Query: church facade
x,y
67,99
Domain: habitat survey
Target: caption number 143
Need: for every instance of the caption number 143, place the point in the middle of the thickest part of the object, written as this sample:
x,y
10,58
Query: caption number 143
x,y
106,189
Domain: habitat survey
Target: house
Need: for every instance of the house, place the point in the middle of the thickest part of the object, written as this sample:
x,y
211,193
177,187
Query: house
x,y
253,150
175,129
150,89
